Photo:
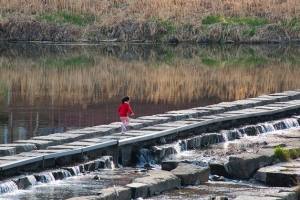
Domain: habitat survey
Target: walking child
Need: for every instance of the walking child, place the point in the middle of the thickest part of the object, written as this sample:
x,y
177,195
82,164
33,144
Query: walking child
x,y
124,109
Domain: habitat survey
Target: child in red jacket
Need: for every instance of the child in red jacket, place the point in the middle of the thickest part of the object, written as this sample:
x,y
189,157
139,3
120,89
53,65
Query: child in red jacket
x,y
124,109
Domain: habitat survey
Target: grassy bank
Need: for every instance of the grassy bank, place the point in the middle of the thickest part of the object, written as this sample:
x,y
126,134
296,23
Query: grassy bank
x,y
243,21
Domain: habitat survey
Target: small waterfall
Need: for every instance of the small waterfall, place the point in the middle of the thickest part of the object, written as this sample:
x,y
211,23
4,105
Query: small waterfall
x,y
66,174
197,141
75,170
45,177
106,162
269,127
184,145
8,186
225,135
289,123
145,157
176,148
61,174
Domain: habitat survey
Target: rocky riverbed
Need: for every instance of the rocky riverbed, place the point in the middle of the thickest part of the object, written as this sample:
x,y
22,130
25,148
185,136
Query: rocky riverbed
x,y
258,175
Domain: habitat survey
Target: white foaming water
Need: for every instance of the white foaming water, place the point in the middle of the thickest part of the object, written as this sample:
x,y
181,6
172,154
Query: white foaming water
x,y
47,177
76,170
9,186
66,174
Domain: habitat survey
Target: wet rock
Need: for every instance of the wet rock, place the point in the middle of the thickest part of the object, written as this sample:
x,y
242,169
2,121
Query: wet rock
x,y
221,198
218,169
246,197
112,193
25,182
281,174
157,181
162,140
245,165
216,178
191,174
169,165
138,190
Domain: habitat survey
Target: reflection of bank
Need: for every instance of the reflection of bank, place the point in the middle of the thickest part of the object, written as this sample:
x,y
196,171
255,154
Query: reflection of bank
x,y
26,121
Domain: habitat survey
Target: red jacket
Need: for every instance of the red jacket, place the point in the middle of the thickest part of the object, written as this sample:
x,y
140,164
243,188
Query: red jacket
x,y
124,108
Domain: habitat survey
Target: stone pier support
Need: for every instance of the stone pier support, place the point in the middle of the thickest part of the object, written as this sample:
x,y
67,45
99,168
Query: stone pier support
x,y
124,156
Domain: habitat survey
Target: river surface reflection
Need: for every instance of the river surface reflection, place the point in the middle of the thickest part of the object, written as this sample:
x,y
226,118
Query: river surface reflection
x,y
49,88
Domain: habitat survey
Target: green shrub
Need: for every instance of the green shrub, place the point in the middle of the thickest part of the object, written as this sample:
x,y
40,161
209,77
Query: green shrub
x,y
294,153
281,154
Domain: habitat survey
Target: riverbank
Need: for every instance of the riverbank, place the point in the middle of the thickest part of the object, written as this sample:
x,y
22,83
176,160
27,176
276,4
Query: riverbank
x,y
151,22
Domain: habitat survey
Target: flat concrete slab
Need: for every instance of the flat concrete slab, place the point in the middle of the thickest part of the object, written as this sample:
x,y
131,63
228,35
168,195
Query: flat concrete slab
x,y
156,128
187,113
87,133
7,151
56,140
135,133
290,94
245,197
114,127
227,106
267,107
247,103
21,147
131,126
40,144
143,121
96,140
202,111
64,147
171,124
14,158
279,98
73,137
175,117
287,103
80,143
265,100
47,151
195,120
157,119
94,131
117,136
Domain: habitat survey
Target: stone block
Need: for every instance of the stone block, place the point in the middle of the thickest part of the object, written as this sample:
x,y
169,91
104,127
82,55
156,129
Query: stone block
x,y
191,174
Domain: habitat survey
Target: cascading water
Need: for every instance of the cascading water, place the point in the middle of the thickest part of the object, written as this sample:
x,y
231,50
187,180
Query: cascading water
x,y
8,186
145,157
159,153
45,177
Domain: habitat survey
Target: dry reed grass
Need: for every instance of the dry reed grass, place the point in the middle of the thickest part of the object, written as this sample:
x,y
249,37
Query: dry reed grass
x,y
179,11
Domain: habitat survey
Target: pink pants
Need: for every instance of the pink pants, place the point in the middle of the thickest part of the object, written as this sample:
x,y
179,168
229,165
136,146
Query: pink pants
x,y
125,120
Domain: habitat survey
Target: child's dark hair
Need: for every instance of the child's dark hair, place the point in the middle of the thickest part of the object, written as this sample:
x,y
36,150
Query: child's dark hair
x,y
126,98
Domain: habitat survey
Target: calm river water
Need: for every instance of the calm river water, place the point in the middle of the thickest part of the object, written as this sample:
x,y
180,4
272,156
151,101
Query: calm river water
x,y
49,88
